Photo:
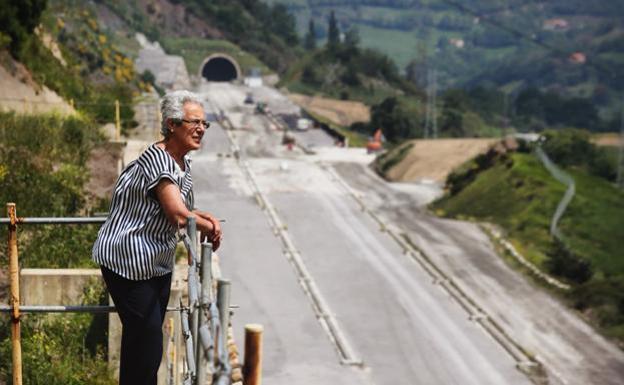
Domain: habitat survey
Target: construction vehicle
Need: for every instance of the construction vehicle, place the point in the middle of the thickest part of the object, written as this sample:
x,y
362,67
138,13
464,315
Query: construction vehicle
x,y
374,143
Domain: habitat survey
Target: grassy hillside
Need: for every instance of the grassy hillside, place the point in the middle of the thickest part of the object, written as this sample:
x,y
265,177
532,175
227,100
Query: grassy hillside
x,y
519,194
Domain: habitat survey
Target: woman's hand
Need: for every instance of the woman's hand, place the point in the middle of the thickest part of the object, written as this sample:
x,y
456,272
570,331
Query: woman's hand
x,y
168,195
215,234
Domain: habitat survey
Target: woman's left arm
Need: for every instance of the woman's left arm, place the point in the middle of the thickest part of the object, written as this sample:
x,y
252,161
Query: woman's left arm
x,y
168,195
216,232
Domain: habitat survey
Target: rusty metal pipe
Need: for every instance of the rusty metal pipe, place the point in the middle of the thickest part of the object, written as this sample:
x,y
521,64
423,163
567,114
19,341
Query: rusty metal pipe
x,y
54,220
15,299
68,309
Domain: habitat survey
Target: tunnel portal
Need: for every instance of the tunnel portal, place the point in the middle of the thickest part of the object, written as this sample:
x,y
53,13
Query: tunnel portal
x,y
219,68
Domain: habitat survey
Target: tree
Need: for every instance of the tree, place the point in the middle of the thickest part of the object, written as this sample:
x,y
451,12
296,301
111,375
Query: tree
x,y
310,37
416,70
455,103
395,122
352,39
333,33
283,24
19,19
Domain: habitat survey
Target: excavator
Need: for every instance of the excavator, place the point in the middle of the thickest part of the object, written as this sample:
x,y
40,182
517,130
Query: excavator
x,y
374,142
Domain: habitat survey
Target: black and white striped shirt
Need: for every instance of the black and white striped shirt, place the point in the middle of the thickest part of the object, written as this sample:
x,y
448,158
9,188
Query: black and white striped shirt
x,y
137,241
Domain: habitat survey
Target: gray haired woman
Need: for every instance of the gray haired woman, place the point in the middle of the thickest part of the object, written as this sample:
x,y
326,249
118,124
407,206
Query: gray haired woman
x,y
135,247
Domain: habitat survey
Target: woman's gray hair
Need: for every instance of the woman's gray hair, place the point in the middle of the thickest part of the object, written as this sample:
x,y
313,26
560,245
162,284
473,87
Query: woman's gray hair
x,y
171,107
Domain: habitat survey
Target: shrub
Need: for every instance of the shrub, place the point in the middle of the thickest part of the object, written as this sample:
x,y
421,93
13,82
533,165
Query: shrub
x,y
564,263
572,148
44,157
605,296
60,349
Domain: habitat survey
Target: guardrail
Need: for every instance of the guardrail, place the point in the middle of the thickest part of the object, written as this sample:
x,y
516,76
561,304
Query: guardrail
x,y
204,319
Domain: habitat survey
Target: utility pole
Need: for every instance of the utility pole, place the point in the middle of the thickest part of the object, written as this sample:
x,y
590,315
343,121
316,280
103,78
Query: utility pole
x,y
431,121
434,114
428,110
505,122
620,170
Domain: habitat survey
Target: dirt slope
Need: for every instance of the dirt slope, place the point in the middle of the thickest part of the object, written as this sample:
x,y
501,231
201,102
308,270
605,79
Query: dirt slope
x,y
341,112
434,159
20,93
608,139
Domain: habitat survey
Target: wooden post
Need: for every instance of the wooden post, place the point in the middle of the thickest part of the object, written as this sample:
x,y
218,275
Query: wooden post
x,y
117,122
252,369
15,299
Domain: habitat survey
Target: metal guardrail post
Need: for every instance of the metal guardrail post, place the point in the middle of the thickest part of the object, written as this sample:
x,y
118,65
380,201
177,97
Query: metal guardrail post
x,y
191,228
252,369
223,304
206,287
190,351
15,299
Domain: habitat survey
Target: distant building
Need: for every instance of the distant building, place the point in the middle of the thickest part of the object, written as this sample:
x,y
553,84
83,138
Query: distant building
x,y
253,78
555,24
578,57
457,43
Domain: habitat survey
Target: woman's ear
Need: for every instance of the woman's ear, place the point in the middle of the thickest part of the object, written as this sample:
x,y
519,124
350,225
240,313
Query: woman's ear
x,y
171,124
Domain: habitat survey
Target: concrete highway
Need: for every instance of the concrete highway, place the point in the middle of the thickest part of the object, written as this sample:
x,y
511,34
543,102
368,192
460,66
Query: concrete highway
x,y
378,304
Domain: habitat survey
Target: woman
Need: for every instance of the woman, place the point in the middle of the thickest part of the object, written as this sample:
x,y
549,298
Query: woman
x,y
136,245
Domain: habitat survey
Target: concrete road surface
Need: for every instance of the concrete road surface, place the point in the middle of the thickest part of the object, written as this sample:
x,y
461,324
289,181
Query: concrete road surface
x,y
397,322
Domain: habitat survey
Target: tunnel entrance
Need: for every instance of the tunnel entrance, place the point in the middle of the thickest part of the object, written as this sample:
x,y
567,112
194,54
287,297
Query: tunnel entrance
x,y
220,69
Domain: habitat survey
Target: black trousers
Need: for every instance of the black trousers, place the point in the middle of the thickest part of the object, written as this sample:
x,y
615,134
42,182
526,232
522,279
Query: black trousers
x,y
141,306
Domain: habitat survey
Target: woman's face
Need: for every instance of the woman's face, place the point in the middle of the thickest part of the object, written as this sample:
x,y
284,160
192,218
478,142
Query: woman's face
x,y
188,134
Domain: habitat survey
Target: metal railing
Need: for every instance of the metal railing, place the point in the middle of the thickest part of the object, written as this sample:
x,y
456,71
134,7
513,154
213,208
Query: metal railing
x,y
204,319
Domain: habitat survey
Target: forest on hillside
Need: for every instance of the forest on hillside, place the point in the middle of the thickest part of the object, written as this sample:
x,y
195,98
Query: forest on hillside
x,y
571,48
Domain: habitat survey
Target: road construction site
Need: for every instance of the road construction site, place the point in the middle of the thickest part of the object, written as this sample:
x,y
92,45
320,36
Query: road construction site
x,y
355,282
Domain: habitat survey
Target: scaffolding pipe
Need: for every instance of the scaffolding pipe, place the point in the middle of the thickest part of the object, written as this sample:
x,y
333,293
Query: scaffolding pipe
x,y
190,352
223,304
207,342
213,314
206,283
191,229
